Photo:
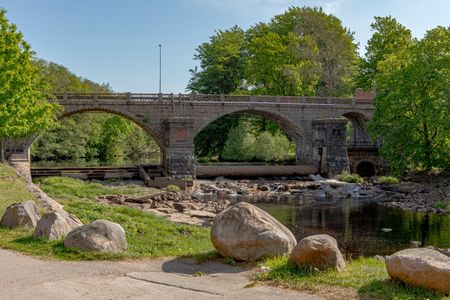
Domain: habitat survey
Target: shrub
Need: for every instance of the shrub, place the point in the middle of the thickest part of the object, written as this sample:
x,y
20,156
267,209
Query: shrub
x,y
172,188
239,145
348,177
442,205
273,147
387,179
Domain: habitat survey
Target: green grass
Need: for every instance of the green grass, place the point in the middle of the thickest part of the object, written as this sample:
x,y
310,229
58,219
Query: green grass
x,y
442,205
387,179
363,278
148,236
173,188
12,188
68,188
351,178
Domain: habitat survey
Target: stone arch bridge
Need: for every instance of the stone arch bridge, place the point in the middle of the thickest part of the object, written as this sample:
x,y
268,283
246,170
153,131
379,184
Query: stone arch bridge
x,y
316,125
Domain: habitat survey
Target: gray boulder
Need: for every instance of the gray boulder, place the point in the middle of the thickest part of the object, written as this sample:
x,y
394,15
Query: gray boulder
x,y
421,267
245,232
320,251
56,225
21,214
99,236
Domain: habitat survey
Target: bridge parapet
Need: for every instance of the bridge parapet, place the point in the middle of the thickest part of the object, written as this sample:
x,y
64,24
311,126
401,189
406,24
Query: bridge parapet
x,y
210,98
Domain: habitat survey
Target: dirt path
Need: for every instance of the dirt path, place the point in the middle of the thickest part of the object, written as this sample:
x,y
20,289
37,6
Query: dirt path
x,y
24,277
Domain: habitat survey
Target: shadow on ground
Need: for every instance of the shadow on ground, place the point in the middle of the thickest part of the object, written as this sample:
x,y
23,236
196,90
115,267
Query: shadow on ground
x,y
191,267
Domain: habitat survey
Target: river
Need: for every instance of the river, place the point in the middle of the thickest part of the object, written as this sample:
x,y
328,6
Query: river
x,y
362,229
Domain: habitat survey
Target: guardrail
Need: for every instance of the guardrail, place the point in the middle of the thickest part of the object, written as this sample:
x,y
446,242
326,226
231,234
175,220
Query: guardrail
x,y
134,97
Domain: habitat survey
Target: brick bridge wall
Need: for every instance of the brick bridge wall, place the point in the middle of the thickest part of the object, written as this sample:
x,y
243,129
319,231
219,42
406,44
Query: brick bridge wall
x,y
174,121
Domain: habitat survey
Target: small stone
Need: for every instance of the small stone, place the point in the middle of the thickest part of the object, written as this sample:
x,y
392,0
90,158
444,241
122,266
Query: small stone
x,y
320,251
201,214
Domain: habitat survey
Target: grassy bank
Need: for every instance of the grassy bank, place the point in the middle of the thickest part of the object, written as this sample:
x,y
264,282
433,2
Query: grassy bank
x,y
363,278
148,236
12,188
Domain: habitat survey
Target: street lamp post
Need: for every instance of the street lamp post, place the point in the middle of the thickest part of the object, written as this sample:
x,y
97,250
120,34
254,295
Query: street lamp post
x,y
160,68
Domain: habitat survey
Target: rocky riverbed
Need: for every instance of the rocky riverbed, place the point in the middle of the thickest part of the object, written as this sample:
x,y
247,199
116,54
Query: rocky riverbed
x,y
209,197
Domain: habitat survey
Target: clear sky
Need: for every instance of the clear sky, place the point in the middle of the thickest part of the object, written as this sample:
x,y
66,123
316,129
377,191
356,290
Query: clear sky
x,y
116,41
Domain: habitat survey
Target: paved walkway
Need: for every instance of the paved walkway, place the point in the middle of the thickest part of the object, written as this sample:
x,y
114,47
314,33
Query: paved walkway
x,y
23,277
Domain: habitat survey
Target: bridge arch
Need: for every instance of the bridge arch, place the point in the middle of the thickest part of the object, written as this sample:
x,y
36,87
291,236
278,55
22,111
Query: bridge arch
x,y
124,114
359,135
295,132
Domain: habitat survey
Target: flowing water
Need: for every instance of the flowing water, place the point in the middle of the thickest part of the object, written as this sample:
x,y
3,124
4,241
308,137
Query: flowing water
x,y
362,229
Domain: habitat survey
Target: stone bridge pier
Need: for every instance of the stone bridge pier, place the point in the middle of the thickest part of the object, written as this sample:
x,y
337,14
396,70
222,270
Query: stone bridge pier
x,y
178,154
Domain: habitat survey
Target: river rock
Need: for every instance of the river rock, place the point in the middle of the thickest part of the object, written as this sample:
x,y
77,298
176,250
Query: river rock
x,y
421,267
21,214
320,251
201,214
245,232
56,225
185,219
99,236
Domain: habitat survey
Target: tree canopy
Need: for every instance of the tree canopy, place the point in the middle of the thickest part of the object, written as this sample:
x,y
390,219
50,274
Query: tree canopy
x,y
303,51
412,102
25,106
389,37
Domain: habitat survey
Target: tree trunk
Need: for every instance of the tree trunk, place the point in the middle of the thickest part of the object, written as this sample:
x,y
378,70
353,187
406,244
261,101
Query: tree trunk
x,y
428,149
2,150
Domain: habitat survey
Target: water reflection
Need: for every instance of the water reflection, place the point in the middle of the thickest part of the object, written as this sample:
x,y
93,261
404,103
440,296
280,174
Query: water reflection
x,y
367,229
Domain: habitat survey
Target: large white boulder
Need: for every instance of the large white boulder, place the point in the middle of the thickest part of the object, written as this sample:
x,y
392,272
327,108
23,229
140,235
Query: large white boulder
x,y
21,214
320,251
421,267
245,232
99,236
56,225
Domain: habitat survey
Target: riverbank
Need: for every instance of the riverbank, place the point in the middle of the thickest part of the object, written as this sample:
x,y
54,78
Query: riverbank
x,y
432,195
150,236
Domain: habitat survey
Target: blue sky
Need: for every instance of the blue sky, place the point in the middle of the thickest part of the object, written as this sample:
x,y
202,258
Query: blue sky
x,y
117,41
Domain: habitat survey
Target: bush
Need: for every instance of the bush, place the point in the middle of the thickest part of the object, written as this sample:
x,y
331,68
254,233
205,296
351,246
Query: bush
x,y
273,147
239,145
346,176
442,205
244,145
387,179
172,188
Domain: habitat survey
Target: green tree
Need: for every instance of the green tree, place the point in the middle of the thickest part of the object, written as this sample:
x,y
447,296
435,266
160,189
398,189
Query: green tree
x,y
240,144
113,134
412,103
221,63
327,47
389,37
273,147
273,66
61,80
24,102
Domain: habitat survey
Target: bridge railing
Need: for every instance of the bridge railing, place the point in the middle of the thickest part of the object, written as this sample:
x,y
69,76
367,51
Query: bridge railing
x,y
146,97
